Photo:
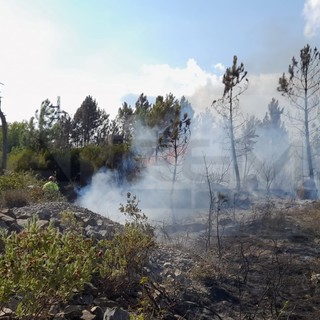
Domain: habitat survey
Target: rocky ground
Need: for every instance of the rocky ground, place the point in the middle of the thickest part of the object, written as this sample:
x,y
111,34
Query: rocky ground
x,y
264,265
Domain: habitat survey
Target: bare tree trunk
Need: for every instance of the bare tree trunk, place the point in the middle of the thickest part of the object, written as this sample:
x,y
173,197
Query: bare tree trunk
x,y
313,192
174,178
211,207
233,148
4,141
308,145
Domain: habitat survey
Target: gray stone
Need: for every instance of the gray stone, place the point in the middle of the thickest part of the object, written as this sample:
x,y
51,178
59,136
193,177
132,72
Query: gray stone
x,y
86,315
116,314
98,312
5,312
59,316
8,212
73,312
104,302
6,218
54,310
44,214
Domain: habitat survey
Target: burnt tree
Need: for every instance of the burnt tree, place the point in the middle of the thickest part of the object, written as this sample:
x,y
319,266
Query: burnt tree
x,y
301,87
228,106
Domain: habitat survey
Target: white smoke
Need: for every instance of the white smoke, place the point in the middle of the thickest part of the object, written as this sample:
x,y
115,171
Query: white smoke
x,y
311,12
153,189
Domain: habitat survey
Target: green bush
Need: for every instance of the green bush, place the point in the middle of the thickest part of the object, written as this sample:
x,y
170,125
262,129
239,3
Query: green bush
x,y
125,255
41,266
22,188
25,159
94,154
15,180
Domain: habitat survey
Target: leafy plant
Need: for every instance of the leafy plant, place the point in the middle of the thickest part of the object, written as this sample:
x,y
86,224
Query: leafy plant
x,y
41,266
125,255
21,180
21,188
70,223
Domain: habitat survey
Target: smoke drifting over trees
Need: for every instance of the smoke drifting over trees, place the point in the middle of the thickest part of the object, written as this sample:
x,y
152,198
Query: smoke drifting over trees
x,y
156,149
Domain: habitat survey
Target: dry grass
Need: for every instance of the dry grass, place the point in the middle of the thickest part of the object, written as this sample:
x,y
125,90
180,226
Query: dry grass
x,y
308,218
14,198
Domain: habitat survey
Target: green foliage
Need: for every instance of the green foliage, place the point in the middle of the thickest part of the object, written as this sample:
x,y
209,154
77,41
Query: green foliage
x,y
22,188
51,196
142,107
18,180
40,267
115,154
126,253
17,135
136,217
90,123
94,154
131,208
26,160
125,120
69,222
162,111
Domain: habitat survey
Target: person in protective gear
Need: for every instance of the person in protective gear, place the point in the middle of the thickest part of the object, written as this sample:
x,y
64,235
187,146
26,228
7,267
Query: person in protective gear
x,y
51,185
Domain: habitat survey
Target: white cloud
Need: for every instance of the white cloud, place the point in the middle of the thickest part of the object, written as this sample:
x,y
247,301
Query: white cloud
x,y
31,68
311,12
162,79
219,67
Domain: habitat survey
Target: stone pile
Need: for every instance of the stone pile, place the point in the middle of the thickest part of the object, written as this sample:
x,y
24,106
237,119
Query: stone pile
x,y
94,225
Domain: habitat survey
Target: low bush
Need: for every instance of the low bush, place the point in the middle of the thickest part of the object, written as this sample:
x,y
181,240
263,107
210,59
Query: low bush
x,y
14,198
124,256
21,180
18,189
41,266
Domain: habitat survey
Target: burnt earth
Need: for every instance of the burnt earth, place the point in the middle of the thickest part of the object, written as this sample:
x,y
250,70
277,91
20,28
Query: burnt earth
x,y
266,266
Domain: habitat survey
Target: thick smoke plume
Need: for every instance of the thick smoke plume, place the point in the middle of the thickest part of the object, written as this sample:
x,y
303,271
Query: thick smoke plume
x,y
272,165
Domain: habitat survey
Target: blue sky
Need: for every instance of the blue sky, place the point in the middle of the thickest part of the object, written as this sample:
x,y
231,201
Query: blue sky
x,y
117,49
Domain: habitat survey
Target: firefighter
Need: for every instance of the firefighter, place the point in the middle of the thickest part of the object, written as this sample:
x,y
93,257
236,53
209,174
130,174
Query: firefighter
x,y
51,185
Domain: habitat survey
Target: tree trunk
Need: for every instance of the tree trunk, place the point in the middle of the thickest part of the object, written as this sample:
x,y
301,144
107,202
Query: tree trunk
x,y
308,145
233,147
313,192
174,178
4,141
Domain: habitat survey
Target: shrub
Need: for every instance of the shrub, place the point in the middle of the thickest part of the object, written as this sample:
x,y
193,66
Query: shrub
x,y
14,198
21,188
51,195
15,180
16,189
94,155
69,222
22,160
41,266
125,255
